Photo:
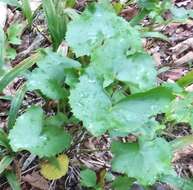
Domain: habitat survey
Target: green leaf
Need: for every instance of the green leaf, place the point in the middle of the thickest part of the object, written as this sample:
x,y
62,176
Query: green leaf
x,y
91,104
133,113
178,182
179,13
15,106
19,69
10,53
11,2
5,162
14,33
31,134
122,183
148,4
88,178
145,161
13,181
50,75
181,110
104,15
137,70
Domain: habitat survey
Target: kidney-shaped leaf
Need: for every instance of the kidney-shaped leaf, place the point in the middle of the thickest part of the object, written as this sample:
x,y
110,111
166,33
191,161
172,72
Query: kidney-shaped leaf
x,y
31,134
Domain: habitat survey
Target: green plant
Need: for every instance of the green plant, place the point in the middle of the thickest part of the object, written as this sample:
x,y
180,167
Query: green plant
x,y
11,2
57,20
13,35
27,11
114,92
88,178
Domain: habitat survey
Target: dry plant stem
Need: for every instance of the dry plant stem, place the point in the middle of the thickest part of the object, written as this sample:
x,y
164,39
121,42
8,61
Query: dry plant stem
x,y
183,46
180,48
185,59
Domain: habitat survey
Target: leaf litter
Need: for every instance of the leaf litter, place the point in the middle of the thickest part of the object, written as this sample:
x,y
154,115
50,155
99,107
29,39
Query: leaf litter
x,y
176,55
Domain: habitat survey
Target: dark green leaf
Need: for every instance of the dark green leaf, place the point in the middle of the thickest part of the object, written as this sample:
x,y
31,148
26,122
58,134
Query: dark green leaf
x,y
122,183
88,178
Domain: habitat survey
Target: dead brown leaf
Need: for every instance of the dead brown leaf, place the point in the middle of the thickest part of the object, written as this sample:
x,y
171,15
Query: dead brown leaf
x,y
37,181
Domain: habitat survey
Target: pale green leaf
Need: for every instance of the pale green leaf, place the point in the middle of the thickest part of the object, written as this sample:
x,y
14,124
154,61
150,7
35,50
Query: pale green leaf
x,y
181,110
30,133
148,4
50,75
145,161
91,104
11,2
133,113
177,182
138,70
179,13
99,22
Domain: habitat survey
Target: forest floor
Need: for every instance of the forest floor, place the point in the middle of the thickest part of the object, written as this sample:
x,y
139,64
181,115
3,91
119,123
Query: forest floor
x,y
174,57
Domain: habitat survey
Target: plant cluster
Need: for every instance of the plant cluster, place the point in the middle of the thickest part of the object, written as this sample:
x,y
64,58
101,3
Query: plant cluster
x,y
109,83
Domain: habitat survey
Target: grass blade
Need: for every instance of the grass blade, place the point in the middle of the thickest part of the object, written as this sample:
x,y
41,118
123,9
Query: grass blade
x,y
2,46
12,179
8,98
15,105
5,162
19,69
186,80
155,35
56,19
27,11
181,142
3,139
